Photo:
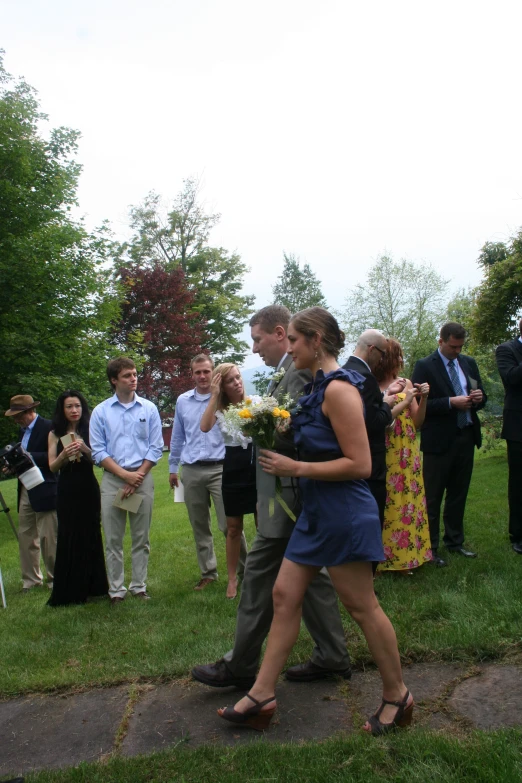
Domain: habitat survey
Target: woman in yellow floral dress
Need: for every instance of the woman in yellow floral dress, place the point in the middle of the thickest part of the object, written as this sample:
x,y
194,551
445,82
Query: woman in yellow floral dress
x,y
406,535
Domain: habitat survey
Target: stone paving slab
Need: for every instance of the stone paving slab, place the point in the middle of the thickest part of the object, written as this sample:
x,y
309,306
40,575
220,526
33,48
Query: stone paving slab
x,y
42,732
174,713
492,699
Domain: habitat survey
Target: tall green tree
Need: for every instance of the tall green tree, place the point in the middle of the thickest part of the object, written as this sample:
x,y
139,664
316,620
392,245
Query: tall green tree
x,y
297,288
499,296
405,300
179,237
55,297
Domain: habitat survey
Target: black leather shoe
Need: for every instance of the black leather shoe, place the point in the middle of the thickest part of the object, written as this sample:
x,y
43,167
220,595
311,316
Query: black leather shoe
x,y
464,552
517,547
436,560
309,671
218,675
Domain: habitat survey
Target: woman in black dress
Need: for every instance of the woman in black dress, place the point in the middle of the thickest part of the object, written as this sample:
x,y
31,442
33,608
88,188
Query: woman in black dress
x,y
239,470
80,566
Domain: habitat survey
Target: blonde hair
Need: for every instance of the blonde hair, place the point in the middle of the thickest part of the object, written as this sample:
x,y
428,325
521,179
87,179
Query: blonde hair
x,y
223,370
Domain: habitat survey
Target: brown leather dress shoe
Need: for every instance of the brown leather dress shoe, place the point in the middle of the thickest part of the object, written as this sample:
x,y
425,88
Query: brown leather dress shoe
x,y
116,600
218,675
143,595
309,672
203,583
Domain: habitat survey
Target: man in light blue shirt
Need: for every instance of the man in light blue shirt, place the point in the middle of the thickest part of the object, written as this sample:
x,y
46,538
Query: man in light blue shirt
x,y
202,455
126,441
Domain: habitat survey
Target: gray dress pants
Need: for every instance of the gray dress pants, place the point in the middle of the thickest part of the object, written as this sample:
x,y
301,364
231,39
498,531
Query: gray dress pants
x,y
255,612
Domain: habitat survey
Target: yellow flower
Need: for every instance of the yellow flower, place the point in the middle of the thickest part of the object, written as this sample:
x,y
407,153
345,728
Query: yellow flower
x,y
284,414
276,413
248,401
245,414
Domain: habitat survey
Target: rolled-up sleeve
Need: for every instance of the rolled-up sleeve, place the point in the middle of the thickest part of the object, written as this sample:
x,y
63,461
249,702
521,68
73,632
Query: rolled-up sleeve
x,y
97,436
155,450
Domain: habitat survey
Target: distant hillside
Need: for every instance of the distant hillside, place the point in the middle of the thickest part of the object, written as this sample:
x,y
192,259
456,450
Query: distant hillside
x,y
247,376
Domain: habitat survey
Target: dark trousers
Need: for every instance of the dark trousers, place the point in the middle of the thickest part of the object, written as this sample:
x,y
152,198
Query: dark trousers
x,y
514,453
449,472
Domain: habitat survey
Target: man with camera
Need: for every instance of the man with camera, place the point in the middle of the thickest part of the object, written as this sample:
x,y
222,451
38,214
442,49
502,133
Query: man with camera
x,y
37,521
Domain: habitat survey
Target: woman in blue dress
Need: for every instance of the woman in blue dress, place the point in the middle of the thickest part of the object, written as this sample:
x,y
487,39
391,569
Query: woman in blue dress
x,y
338,527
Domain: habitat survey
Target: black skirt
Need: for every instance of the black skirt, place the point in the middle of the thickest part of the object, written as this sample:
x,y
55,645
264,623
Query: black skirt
x,y
239,481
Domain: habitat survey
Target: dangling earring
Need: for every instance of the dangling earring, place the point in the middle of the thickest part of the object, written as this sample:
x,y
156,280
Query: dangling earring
x,y
319,359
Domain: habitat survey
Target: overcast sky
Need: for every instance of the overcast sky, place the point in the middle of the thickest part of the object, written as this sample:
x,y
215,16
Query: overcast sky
x,y
335,130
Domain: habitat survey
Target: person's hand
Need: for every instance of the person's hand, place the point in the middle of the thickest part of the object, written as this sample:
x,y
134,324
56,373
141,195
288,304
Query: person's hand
x,y
276,464
173,480
409,394
476,396
83,446
127,490
72,450
462,403
396,387
215,385
133,478
422,388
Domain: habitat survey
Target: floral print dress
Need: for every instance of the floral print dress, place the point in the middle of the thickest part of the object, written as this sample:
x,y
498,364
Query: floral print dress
x,y
406,534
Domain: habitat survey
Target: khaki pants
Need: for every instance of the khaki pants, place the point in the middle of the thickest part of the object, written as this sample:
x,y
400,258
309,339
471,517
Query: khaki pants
x,y
114,521
202,482
37,532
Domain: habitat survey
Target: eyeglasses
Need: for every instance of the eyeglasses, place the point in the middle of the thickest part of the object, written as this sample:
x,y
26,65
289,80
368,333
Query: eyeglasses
x,y
377,347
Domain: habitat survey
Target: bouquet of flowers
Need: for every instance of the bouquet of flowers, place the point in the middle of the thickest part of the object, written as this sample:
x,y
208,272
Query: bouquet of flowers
x,y
258,418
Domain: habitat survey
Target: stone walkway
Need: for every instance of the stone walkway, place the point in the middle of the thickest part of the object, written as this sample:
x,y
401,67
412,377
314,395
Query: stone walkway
x,y
40,732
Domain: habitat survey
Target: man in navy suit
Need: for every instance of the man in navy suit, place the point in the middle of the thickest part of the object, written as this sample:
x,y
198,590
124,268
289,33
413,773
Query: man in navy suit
x,y
450,432
509,363
37,521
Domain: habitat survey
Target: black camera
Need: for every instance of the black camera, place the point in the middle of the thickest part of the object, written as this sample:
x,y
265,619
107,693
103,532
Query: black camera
x,y
19,463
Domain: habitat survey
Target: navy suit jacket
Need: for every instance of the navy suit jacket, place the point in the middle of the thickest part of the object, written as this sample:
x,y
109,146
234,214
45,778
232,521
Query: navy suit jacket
x,y
440,425
42,497
509,363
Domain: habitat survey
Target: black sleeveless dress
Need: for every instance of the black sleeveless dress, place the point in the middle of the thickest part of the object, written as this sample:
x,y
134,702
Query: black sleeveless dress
x,y
80,566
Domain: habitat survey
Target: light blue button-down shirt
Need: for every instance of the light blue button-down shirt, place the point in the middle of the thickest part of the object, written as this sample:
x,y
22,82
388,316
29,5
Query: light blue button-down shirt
x,y
127,435
27,433
188,443
462,378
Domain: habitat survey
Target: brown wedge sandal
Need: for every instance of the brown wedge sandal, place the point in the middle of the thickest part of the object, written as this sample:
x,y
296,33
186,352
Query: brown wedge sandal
x,y
253,717
402,717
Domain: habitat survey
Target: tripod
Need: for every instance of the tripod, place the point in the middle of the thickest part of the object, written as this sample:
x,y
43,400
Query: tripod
x,y
5,509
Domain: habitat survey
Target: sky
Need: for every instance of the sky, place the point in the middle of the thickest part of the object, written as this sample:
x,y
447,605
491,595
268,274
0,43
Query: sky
x,y
334,130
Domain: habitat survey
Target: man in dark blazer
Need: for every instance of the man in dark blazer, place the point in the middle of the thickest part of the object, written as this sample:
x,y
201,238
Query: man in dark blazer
x,y
509,363
371,347
255,611
450,432
37,521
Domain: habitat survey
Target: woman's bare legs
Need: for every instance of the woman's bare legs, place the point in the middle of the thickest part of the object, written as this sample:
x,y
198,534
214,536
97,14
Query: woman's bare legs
x,y
233,550
354,586
289,589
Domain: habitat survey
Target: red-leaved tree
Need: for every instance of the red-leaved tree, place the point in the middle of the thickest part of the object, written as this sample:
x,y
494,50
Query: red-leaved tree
x,y
157,323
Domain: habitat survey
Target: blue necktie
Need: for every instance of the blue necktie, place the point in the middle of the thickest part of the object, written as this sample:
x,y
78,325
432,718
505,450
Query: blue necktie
x,y
462,416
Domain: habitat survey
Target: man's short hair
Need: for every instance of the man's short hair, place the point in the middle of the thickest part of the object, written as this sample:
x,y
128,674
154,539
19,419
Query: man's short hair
x,y
452,329
271,316
115,366
201,357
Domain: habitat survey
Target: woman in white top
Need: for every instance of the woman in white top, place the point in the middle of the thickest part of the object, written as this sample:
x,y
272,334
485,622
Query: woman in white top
x,y
239,472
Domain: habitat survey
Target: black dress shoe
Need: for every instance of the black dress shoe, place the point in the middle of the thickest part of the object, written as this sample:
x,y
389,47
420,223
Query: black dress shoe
x,y
436,560
464,552
218,675
516,546
309,671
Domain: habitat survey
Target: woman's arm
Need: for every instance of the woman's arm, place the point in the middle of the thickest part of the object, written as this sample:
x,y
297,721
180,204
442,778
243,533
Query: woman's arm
x,y
209,417
410,393
343,406
55,462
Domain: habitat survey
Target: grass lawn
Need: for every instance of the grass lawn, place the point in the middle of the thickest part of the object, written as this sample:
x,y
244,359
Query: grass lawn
x,y
470,611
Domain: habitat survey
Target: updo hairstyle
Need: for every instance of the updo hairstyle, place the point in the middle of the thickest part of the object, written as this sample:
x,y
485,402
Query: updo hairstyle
x,y
317,320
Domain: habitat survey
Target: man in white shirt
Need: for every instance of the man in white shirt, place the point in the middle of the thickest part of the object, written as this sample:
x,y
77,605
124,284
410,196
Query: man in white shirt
x,y
202,455
126,441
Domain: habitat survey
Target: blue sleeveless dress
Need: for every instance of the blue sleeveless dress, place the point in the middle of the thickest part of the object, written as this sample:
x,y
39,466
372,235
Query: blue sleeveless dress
x,y
339,522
